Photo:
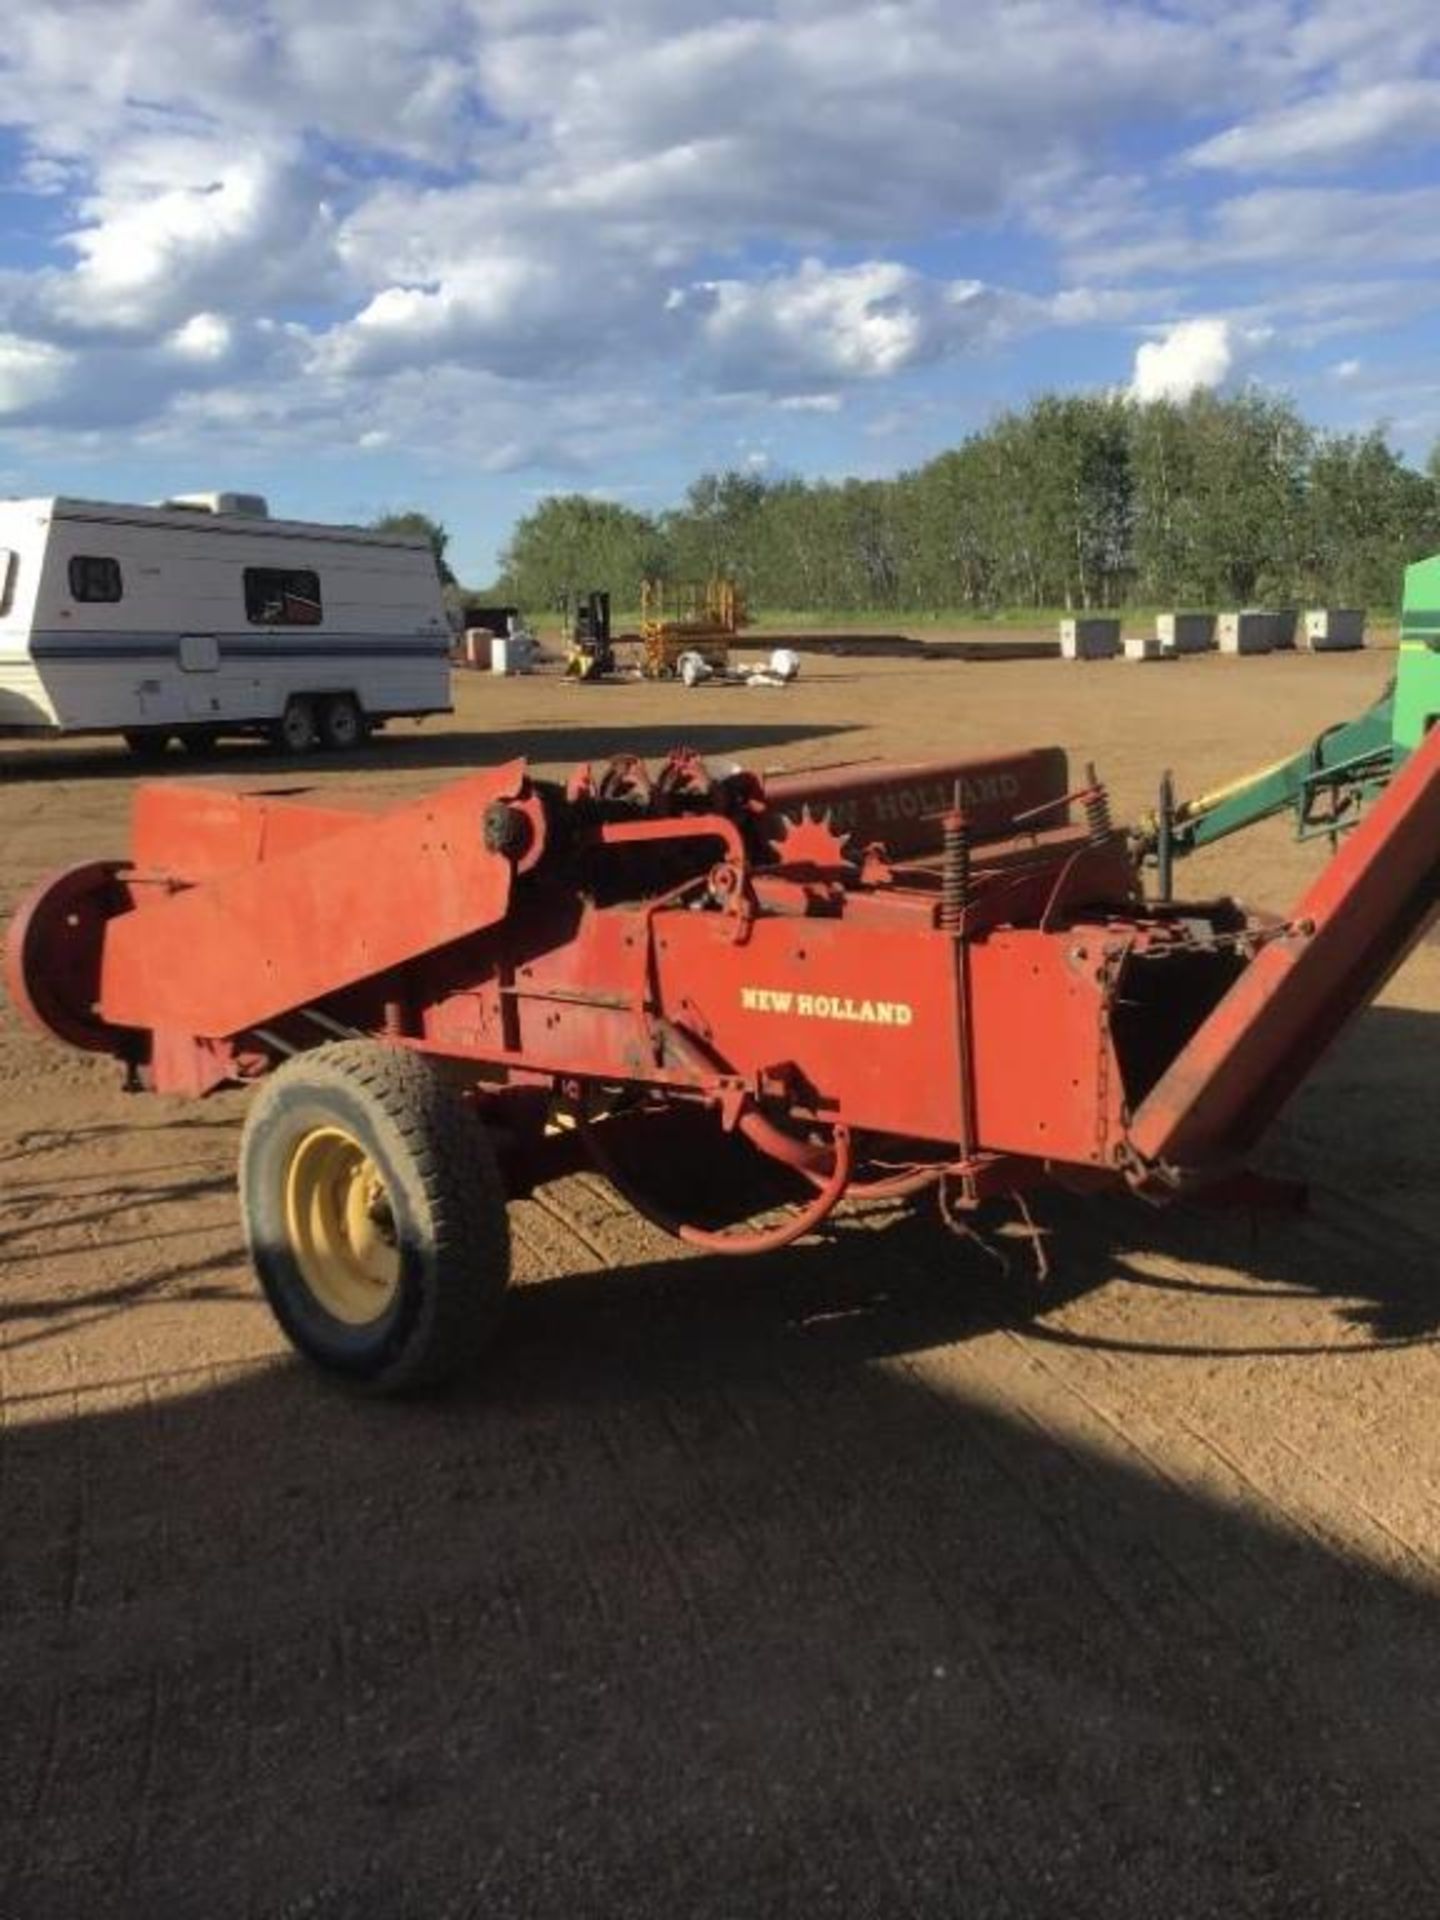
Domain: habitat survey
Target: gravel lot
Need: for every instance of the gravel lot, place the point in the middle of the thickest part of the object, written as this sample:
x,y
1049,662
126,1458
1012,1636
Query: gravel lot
x,y
826,1584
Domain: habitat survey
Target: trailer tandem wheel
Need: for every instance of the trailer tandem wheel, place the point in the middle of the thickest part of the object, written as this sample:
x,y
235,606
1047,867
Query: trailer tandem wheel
x,y
296,731
375,1214
342,723
147,743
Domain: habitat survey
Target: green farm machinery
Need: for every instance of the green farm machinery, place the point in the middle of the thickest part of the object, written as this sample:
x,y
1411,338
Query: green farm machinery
x,y
1327,784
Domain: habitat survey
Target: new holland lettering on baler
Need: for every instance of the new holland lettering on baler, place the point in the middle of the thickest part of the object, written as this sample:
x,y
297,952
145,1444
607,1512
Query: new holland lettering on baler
x,y
882,981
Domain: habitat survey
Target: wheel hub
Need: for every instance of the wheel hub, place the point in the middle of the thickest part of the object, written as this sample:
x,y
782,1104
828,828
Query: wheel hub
x,y
341,1226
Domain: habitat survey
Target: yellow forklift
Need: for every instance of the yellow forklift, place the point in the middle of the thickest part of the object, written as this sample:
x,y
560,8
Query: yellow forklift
x,y
589,651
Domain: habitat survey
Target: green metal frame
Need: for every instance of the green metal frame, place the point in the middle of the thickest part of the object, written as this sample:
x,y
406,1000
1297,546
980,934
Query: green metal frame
x,y
1328,784
1417,684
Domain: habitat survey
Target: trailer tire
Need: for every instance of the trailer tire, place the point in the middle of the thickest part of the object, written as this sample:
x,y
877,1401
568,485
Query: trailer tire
x,y
375,1214
342,723
295,731
148,743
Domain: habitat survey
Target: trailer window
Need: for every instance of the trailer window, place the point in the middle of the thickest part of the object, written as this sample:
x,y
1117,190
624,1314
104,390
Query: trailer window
x,y
94,576
282,597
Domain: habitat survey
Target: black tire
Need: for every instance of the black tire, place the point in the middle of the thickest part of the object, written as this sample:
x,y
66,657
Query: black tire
x,y
442,1215
148,743
295,731
342,724
199,740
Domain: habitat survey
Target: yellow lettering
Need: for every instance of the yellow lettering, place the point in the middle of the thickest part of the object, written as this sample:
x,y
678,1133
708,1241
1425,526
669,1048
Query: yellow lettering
x,y
827,1006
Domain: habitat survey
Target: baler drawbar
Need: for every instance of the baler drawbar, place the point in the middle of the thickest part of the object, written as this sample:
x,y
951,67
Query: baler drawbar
x,y
870,981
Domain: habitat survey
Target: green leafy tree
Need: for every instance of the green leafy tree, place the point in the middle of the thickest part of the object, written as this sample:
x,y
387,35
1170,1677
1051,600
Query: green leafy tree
x,y
414,522
572,544
1073,500
1369,515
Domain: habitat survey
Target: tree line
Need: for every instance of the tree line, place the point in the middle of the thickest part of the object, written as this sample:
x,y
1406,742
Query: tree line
x,y
1073,501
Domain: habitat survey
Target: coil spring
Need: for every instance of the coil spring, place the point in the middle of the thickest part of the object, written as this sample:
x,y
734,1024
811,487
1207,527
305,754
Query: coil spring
x,y
955,872
1097,808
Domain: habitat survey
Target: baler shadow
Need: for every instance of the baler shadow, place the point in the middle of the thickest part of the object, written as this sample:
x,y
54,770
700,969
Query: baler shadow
x,y
1380,1277
897,1282
116,1201
1378,1264
569,739
713,1594
23,1148
182,1280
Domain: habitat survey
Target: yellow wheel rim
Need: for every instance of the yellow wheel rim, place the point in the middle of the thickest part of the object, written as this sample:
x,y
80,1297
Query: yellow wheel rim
x,y
341,1226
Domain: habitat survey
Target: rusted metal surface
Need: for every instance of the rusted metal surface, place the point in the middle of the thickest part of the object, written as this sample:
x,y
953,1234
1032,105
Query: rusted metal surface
x,y
903,806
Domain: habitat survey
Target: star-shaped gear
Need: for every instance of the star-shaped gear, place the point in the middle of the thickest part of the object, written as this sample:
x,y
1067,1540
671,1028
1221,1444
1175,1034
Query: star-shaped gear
x,y
812,842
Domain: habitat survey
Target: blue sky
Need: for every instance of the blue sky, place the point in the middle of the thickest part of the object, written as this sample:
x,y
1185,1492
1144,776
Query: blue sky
x,y
463,253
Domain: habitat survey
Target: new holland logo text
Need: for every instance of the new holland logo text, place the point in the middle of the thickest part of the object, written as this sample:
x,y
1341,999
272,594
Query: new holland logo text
x,y
890,805
827,1006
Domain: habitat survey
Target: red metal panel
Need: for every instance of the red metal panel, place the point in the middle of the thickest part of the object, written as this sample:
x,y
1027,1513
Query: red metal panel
x,y
1045,1080
867,1015
1363,914
255,942
195,829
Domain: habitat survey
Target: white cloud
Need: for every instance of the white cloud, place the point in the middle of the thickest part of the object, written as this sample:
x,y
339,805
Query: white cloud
x,y
315,217
390,79
1193,354
1319,231
858,323
514,307
793,331
1104,306
1328,130
31,375
204,336
181,226
1359,44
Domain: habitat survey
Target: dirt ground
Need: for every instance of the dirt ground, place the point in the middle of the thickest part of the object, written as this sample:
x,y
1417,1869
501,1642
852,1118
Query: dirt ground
x,y
819,1585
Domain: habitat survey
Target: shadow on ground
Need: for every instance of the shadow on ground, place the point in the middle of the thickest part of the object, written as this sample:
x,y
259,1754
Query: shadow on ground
x,y
710,1597
589,738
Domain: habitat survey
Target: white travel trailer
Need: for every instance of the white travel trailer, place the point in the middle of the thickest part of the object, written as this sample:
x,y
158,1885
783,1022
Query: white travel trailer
x,y
204,617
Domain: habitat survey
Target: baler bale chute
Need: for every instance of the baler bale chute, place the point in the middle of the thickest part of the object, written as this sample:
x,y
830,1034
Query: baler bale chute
x,y
874,981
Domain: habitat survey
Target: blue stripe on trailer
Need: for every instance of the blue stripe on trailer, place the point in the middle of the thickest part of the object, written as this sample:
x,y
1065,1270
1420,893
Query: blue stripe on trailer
x,y
62,646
